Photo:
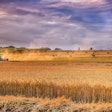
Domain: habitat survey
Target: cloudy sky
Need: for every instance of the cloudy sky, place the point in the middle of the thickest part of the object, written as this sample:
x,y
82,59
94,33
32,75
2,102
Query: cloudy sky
x,y
66,24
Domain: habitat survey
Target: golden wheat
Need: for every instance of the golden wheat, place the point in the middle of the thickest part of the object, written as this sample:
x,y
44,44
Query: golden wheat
x,y
79,93
82,82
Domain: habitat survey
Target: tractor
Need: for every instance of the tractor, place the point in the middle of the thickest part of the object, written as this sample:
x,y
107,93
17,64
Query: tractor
x,y
2,58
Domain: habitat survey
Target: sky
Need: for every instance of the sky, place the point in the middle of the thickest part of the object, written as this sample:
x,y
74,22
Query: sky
x,y
66,24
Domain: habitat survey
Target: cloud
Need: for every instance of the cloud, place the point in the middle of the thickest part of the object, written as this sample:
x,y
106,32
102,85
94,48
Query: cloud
x,y
82,1
7,1
56,23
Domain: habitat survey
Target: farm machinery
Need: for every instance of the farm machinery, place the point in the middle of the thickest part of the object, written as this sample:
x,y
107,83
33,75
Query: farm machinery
x,y
2,58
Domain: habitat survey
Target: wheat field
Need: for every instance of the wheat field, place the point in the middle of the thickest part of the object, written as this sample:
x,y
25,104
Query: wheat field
x,y
81,82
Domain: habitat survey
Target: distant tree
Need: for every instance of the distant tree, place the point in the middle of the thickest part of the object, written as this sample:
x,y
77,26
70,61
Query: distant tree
x,y
45,49
11,47
91,48
57,49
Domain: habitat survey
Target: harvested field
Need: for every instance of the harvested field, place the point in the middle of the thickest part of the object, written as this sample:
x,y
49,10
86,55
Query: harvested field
x,y
21,104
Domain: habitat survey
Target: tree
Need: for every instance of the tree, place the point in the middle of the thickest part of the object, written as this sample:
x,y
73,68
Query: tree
x,y
91,48
58,49
45,49
11,47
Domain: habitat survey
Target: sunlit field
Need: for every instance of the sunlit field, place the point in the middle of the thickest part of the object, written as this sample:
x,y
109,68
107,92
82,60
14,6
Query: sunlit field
x,y
80,82
59,72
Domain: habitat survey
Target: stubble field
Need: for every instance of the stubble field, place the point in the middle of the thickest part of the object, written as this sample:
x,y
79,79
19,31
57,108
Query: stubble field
x,y
80,83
